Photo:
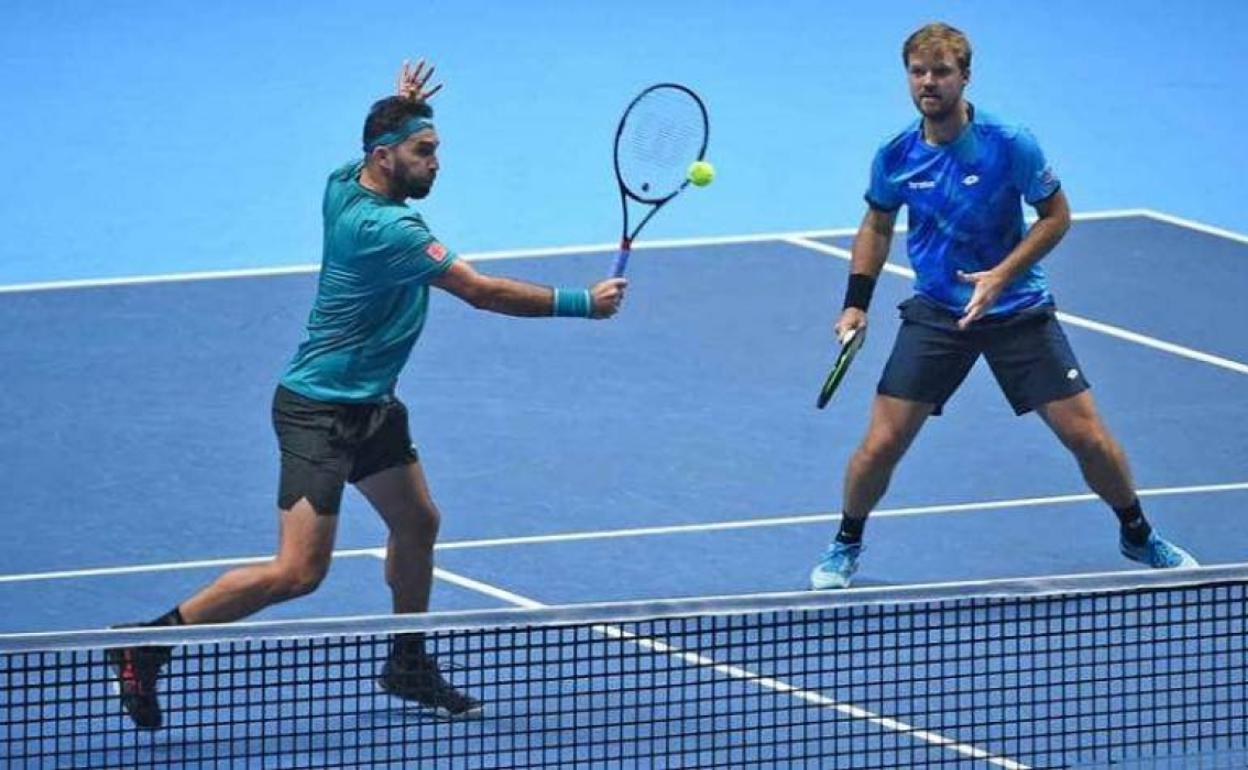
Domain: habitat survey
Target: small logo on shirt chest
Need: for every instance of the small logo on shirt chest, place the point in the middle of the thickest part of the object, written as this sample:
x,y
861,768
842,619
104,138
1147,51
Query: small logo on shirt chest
x,y
928,184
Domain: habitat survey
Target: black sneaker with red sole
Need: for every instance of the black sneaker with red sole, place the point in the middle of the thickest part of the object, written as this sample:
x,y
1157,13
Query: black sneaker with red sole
x,y
137,671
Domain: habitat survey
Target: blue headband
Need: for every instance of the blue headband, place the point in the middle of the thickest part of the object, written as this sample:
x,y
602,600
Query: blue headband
x,y
413,125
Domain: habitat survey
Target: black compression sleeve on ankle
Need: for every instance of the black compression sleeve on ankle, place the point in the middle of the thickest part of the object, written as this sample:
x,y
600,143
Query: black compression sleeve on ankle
x,y
409,645
1135,527
851,530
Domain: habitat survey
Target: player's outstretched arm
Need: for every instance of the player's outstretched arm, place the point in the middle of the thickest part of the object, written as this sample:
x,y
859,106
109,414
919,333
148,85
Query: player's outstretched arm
x,y
521,298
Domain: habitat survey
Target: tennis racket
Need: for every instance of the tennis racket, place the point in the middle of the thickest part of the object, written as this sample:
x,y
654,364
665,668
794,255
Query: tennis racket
x,y
663,131
849,348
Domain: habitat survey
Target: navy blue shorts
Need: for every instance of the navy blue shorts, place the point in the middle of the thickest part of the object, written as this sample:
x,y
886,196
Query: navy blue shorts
x,y
1027,351
325,446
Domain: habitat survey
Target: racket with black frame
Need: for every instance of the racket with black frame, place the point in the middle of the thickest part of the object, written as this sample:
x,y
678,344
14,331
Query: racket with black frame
x,y
851,343
663,131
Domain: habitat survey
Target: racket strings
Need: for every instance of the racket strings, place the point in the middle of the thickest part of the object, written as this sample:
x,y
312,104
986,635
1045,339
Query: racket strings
x,y
662,134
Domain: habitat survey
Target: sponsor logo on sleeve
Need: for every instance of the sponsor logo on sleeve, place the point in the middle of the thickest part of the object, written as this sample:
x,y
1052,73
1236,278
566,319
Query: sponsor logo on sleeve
x,y
436,251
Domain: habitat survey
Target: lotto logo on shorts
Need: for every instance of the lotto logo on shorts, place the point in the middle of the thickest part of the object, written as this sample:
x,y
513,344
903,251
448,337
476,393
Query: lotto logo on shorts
x,y
436,251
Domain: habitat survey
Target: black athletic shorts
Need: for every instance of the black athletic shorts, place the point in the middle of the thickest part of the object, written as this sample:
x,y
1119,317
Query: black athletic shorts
x,y
1027,351
326,445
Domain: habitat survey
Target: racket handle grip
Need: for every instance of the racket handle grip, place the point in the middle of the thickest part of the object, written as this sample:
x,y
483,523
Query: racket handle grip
x,y
621,260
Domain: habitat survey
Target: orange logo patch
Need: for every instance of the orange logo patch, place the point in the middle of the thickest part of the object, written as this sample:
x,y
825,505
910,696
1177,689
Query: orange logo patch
x,y
436,251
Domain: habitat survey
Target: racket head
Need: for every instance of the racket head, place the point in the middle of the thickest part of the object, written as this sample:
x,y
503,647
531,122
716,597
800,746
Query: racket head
x,y
850,346
663,130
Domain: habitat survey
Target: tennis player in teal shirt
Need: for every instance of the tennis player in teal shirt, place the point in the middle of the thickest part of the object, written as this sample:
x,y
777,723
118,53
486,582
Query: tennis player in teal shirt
x,y
979,288
335,412
379,261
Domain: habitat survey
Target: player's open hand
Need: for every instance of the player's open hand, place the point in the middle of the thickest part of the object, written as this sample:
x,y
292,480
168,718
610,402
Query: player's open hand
x,y
851,318
988,286
605,297
413,82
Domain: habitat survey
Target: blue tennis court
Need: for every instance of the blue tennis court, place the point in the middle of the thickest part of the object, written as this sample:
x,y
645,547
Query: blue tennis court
x,y
680,456
168,164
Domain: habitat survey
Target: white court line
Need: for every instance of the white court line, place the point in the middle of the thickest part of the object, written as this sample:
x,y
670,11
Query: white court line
x,y
1092,216
140,569
1192,224
737,672
1073,320
494,592
552,251
613,534
819,518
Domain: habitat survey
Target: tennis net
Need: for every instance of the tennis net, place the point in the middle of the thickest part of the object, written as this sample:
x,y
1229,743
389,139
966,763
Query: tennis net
x,y
1120,670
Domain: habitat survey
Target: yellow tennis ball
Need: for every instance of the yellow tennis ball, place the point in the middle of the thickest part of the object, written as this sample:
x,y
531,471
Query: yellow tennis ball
x,y
701,173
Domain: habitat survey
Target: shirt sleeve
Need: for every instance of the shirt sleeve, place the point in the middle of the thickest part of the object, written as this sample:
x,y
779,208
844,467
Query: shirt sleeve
x,y
1032,173
881,192
411,252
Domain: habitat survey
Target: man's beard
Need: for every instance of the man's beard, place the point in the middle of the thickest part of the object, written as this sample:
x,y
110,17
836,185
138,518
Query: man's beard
x,y
418,188
415,187
939,110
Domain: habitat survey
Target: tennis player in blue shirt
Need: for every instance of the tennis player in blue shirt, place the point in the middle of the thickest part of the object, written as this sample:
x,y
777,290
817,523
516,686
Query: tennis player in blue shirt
x,y
979,290
335,412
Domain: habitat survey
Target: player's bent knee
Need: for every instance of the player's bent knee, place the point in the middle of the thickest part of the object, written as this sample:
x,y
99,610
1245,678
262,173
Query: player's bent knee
x,y
304,584
1091,442
293,582
420,524
431,520
881,450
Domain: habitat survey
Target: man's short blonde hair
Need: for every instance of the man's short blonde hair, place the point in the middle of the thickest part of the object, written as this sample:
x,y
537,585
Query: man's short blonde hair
x,y
939,37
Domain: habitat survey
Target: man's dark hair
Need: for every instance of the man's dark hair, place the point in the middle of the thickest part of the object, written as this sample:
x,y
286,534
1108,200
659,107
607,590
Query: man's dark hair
x,y
391,113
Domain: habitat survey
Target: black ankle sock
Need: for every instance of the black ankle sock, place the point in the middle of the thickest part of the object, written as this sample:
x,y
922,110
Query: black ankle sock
x,y
851,530
171,618
1135,528
409,646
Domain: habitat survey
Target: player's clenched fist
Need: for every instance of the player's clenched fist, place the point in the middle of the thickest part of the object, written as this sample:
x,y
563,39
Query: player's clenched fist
x,y
606,297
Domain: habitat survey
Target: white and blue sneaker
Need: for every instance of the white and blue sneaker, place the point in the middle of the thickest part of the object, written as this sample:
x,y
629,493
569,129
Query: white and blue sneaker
x,y
1158,553
836,566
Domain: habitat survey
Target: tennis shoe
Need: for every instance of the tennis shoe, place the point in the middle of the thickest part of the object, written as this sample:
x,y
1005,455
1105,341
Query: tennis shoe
x,y
836,566
1158,553
137,671
417,679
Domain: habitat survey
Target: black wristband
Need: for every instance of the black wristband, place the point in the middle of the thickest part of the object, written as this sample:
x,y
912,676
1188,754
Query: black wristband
x,y
858,293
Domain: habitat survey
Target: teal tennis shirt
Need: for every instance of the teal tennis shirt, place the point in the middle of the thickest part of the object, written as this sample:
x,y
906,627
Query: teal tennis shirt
x,y
372,298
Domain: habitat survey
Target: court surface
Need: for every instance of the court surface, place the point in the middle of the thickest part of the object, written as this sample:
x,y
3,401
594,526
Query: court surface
x,y
672,451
